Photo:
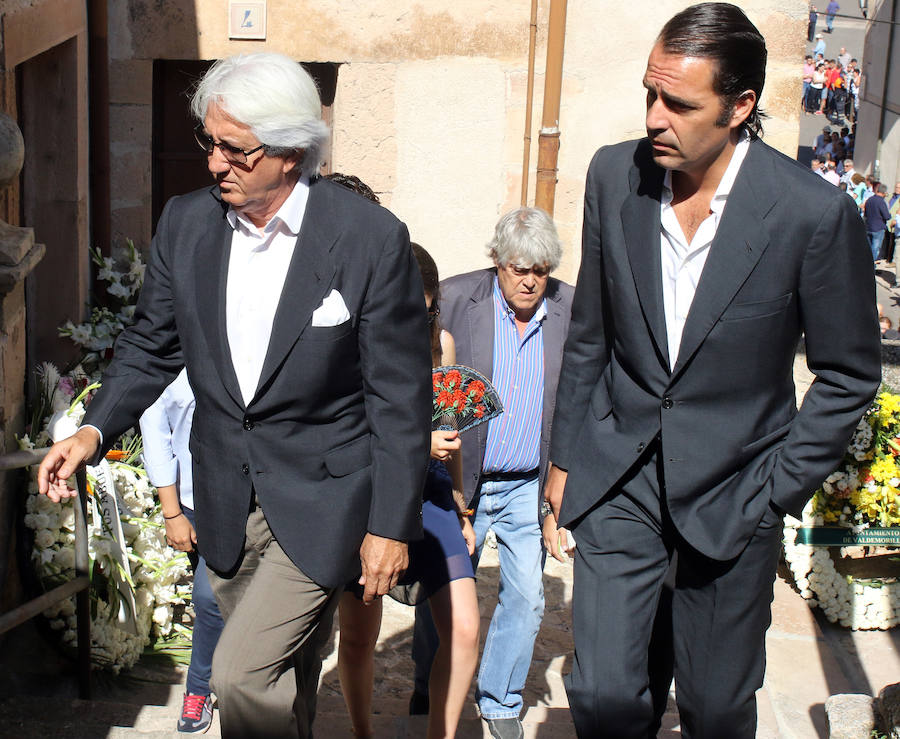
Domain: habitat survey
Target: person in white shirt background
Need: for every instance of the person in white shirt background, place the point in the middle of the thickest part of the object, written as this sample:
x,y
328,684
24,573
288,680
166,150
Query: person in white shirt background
x,y
166,430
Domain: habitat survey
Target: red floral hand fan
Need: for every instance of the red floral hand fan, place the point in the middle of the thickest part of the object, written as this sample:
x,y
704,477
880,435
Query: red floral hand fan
x,y
463,398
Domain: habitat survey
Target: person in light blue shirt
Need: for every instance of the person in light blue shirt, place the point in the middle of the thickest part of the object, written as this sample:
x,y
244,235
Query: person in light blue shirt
x,y
166,431
820,45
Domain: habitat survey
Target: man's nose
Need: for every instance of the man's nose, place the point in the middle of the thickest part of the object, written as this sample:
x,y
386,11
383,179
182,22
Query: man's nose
x,y
656,116
216,162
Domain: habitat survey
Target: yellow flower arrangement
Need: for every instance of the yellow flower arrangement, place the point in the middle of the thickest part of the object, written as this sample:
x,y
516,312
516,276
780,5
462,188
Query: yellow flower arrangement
x,y
865,490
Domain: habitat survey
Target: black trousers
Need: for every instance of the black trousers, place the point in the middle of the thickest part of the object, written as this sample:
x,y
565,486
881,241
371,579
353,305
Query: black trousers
x,y
719,615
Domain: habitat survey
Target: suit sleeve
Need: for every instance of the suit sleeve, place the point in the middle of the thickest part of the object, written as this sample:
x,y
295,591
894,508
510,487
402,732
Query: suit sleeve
x,y
147,355
396,366
586,351
843,350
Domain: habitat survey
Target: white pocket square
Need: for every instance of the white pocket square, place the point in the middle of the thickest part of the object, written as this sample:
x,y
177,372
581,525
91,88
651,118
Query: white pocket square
x,y
332,312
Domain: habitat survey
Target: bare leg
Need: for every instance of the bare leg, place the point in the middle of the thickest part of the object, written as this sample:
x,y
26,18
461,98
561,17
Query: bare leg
x,y
359,626
455,612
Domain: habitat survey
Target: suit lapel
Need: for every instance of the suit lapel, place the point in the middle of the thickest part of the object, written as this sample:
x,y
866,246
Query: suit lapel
x,y
480,314
211,275
308,279
740,241
553,338
640,223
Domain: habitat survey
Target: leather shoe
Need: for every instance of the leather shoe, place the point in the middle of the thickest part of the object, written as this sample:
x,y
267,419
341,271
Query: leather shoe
x,y
505,728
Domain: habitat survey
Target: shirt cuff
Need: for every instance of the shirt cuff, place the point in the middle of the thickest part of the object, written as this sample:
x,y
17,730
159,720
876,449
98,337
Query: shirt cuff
x,y
91,426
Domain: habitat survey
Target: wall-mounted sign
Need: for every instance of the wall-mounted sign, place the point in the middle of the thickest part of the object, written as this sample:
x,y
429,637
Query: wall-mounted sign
x,y
247,20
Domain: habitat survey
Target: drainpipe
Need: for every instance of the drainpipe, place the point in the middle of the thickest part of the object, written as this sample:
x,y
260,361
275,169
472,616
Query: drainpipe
x,y
548,141
529,97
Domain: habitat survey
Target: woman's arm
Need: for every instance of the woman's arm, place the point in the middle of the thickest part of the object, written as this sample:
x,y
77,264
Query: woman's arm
x,y
454,462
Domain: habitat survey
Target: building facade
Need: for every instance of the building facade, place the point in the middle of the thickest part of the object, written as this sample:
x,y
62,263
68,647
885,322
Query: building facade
x,y
878,134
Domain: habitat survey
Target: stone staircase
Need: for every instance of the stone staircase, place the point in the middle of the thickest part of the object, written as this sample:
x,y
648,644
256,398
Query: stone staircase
x,y
38,695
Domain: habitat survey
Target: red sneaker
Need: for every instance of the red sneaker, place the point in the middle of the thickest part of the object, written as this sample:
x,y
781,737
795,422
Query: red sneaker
x,y
196,714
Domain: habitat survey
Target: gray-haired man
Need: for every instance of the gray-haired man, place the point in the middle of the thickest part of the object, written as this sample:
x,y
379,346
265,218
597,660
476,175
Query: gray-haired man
x,y
509,323
296,307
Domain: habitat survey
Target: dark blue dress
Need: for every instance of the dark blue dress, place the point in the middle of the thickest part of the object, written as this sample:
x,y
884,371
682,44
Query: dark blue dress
x,y
442,555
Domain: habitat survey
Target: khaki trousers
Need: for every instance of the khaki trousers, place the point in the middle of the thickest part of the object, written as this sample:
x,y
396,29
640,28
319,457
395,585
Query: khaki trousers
x,y
265,671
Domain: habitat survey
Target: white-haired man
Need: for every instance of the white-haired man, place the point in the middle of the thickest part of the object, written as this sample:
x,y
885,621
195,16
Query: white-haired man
x,y
509,322
296,307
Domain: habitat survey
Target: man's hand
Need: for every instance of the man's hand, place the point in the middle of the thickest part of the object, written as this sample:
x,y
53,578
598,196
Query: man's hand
x,y
555,487
383,561
468,533
63,459
556,539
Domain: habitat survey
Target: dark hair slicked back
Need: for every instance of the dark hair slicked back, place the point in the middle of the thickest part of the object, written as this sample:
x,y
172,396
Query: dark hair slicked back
x,y
721,32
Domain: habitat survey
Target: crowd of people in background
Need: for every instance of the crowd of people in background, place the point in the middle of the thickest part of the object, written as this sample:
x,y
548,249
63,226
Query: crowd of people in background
x,y
831,85
831,88
878,209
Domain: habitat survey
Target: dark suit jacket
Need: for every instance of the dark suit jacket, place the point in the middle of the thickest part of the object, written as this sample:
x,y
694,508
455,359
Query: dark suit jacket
x,y
789,257
467,312
335,441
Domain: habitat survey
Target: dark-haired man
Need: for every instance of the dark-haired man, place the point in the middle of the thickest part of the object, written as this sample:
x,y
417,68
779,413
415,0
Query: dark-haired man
x,y
706,255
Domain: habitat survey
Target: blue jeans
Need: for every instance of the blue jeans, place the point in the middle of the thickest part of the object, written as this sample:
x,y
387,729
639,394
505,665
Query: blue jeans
x,y
829,22
875,240
208,624
510,508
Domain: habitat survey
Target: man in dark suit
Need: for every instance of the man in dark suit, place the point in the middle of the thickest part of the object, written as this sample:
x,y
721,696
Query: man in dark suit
x,y
706,255
298,310
509,323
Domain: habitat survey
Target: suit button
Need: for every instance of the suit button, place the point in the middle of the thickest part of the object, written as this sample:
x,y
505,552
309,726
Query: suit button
x,y
248,424
245,468
640,447
668,402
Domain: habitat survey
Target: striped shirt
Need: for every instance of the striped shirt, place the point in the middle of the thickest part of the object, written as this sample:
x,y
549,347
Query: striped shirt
x,y
514,437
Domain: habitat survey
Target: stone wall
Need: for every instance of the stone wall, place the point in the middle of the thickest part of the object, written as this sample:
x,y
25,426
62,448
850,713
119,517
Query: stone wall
x,y
884,162
430,99
43,85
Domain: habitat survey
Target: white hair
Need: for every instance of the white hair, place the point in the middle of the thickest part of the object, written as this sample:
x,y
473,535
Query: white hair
x,y
275,97
526,237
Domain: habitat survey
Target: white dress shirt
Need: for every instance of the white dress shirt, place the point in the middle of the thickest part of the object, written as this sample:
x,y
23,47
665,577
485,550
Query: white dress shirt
x,y
166,432
256,272
682,263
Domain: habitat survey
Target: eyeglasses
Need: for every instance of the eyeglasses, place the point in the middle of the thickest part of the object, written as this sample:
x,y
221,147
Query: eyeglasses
x,y
520,271
433,312
231,153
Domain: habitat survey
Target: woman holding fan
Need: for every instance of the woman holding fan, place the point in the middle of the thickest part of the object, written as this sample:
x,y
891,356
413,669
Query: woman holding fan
x,y
440,569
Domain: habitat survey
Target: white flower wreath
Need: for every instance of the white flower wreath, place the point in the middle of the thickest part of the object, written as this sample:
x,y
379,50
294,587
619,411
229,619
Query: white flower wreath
x,y
137,580
855,603
151,577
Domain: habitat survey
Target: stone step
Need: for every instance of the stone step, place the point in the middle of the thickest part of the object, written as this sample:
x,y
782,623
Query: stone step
x,y
27,717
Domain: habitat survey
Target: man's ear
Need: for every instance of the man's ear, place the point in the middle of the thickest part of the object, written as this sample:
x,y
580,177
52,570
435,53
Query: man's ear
x,y
292,163
743,106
